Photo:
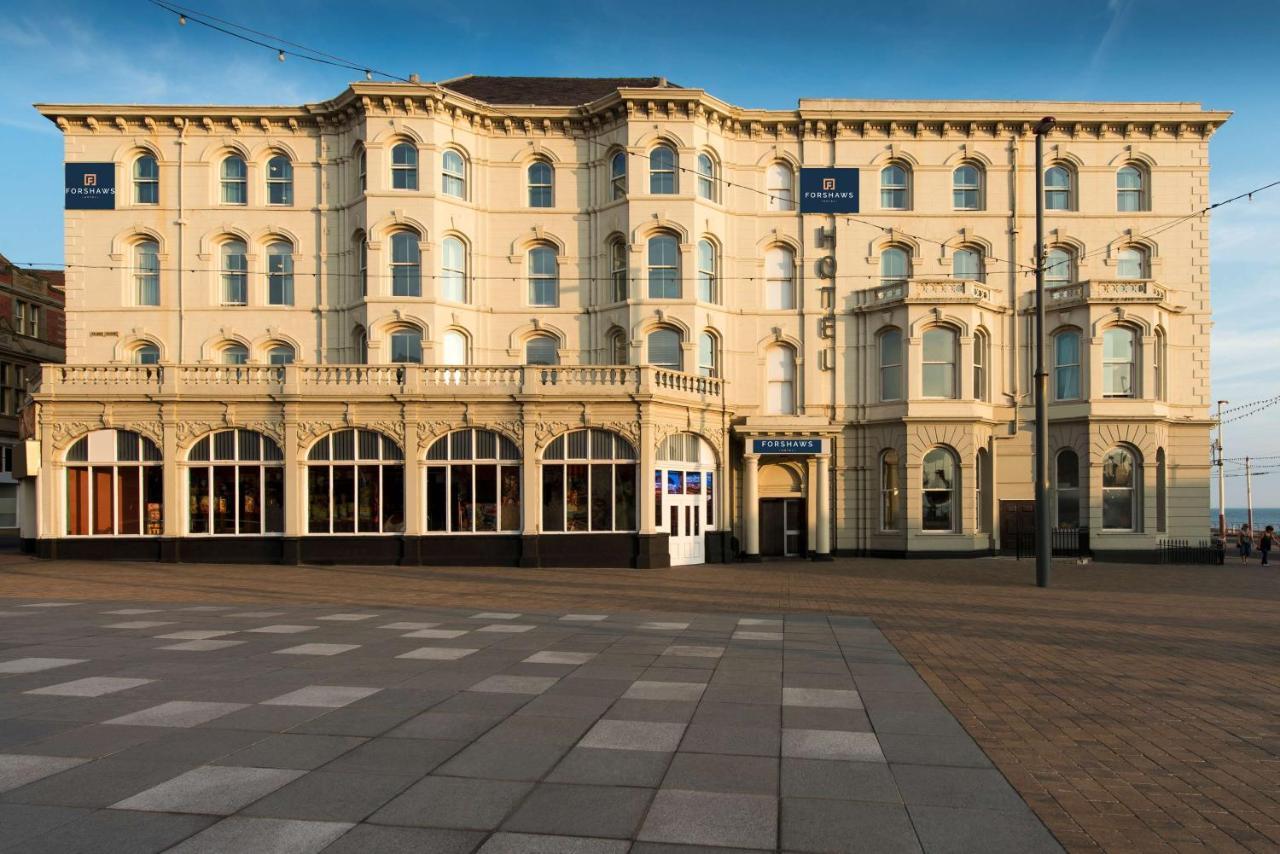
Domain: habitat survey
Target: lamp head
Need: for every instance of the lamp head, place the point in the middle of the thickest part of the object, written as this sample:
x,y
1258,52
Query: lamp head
x,y
1044,126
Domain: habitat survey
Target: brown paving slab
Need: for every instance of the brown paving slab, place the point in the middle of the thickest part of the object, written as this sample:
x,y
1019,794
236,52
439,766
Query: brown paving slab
x,y
1133,707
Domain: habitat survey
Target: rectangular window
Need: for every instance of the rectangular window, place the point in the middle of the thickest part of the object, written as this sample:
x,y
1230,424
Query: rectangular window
x,y
624,498
369,503
602,497
77,501
486,498
344,499
575,502
392,499
460,498
437,498
273,500
198,500
318,498
248,500
224,498
553,498
510,498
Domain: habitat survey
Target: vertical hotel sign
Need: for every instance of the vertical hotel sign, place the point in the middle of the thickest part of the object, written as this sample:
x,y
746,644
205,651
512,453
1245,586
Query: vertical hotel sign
x,y
90,187
828,191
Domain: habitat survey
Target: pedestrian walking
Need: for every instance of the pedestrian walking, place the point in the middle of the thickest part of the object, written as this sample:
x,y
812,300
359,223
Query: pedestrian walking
x,y
1244,543
1265,543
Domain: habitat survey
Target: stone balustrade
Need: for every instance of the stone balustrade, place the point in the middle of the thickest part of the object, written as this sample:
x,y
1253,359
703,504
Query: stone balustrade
x,y
926,290
1107,291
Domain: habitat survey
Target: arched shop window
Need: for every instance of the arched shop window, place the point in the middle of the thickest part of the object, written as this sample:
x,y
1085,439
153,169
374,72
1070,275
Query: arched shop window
x,y
589,483
235,484
686,466
115,485
473,483
355,484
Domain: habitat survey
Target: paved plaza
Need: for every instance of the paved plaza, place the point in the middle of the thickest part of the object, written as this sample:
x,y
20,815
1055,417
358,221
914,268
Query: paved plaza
x,y
145,726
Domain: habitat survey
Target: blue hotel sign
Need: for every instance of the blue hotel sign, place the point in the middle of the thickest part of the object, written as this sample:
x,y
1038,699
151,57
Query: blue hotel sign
x,y
90,187
828,191
786,446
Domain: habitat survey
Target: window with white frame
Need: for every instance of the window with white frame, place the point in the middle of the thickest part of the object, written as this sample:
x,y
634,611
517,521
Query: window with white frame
x,y
1121,479
618,174
618,347
404,167
453,177
12,388
544,276
235,354
1067,488
280,354
453,270
454,348
362,262
1066,365
938,357
706,177
542,350
235,180
235,484
235,273
981,491
940,510
1059,188
895,266
146,272
664,349
1059,267
1158,357
895,187
618,268
966,263
362,169
1119,362
890,346
664,267
1130,189
146,354
355,484
280,273
779,278
115,485
779,185
780,391
1131,263
1162,511
541,184
406,345
589,480
663,165
708,355
966,188
708,280
473,483
890,491
146,180
981,357
406,264
279,181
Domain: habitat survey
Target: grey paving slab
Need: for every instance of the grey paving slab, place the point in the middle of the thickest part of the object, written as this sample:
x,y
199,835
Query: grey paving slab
x,y
193,746
91,686
503,684
710,772
553,657
33,665
93,740
279,836
823,698
948,830
378,839
21,822
741,740
558,809
810,717
437,653
116,832
318,649
196,634
209,790
565,706
634,735
322,696
332,796
503,761
442,634
96,784
282,629
177,713
667,848
604,767
973,788
710,818
853,781
417,756
918,749
528,843
203,645
451,802
831,744
293,750
18,770
653,690
140,624
345,618
847,827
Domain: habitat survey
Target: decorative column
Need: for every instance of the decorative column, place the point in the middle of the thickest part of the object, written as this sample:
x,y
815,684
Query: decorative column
x,y
530,491
811,508
751,506
294,507
822,549
171,500
414,489
654,546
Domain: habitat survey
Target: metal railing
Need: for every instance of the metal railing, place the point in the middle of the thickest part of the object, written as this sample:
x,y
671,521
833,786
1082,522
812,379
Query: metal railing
x,y
1200,552
1067,542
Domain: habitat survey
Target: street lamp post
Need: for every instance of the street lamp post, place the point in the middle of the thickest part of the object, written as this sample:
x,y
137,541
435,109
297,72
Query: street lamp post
x,y
1222,486
1044,533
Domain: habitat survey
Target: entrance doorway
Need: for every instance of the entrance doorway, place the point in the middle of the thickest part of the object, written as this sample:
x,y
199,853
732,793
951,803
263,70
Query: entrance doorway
x,y
685,522
1017,526
782,527
685,496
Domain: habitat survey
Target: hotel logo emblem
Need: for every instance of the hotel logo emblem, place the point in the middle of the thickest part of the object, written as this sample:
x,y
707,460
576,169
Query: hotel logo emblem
x,y
90,180
828,183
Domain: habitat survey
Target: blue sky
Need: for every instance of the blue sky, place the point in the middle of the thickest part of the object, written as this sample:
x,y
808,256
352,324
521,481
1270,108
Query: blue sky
x,y
744,52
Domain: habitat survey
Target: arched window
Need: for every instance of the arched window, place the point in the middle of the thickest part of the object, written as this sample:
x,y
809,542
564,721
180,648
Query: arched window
x,y
453,270
967,264
280,354
406,345
235,354
146,354
235,484
706,177
779,183
708,355
355,484
982,491
1161,509
279,181
890,345
146,272
361,339
890,490
362,168
541,350
404,167
708,280
453,174
663,179
664,349
362,261
1131,191
895,266
895,187
1158,357
589,480
939,362
1059,267
618,268
1121,477
1066,365
1058,188
618,174
541,184
115,485
966,188
454,348
779,278
235,181
981,358
780,365
664,267
1067,488
544,276
235,273
473,483
146,181
940,510
1131,263
1119,362
406,264
280,274
618,347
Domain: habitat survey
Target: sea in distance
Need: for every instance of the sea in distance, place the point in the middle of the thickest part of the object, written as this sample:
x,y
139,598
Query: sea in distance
x,y
1237,516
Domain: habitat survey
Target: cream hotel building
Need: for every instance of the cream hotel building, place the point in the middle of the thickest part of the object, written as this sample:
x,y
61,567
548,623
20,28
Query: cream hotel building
x,y
560,321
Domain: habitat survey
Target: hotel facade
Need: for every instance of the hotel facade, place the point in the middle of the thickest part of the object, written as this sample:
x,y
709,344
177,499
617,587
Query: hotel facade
x,y
562,321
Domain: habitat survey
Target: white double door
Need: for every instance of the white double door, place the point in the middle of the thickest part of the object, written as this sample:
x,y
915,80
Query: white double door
x,y
685,523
